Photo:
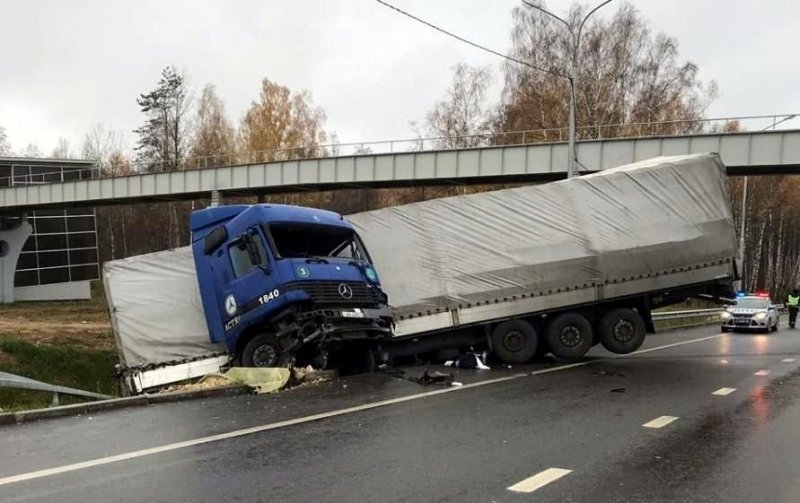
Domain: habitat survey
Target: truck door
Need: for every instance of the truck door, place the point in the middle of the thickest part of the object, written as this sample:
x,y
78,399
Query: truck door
x,y
252,282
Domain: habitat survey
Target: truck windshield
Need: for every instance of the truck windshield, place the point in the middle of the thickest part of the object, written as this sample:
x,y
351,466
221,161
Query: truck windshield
x,y
322,241
752,303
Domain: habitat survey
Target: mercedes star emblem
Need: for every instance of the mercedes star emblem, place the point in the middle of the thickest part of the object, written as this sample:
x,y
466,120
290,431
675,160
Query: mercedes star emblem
x,y
345,291
230,305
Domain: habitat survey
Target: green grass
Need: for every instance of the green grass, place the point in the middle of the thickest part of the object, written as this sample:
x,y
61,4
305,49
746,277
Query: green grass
x,y
76,367
64,343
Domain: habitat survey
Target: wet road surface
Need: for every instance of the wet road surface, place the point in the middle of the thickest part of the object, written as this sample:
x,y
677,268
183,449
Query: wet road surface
x,y
696,416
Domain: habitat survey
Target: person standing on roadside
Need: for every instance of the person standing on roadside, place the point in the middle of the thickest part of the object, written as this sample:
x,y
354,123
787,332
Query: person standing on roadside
x,y
793,304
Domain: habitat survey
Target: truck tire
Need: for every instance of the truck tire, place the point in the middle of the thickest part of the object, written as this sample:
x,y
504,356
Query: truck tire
x,y
569,336
261,351
514,341
622,331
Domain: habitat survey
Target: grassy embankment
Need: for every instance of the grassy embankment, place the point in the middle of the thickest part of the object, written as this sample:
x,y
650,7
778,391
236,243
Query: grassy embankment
x,y
66,343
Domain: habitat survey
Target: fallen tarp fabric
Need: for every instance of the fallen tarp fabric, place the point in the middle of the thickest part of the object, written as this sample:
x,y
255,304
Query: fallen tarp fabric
x,y
261,380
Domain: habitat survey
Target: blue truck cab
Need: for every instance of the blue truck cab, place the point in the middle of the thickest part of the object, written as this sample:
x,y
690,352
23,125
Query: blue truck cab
x,y
282,284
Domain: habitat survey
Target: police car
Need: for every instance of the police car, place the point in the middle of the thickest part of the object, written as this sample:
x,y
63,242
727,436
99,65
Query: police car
x,y
752,313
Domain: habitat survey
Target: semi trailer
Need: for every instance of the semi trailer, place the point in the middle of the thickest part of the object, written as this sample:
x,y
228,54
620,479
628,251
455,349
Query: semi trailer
x,y
557,267
551,268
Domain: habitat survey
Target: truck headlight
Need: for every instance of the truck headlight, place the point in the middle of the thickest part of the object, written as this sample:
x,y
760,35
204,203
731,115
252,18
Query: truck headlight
x,y
760,316
726,316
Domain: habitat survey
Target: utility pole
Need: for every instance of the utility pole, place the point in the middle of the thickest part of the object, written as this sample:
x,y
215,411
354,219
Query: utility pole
x,y
572,77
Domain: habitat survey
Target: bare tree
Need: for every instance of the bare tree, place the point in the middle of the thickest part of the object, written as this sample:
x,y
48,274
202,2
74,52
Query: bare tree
x,y
626,75
62,149
214,140
5,146
462,118
31,150
104,147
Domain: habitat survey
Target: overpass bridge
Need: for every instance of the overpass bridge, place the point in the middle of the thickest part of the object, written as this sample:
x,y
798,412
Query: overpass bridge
x,y
26,190
745,153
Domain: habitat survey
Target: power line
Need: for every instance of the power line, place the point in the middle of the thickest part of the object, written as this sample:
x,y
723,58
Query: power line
x,y
468,42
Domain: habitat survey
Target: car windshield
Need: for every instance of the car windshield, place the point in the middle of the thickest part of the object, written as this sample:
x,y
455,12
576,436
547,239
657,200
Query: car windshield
x,y
320,241
752,303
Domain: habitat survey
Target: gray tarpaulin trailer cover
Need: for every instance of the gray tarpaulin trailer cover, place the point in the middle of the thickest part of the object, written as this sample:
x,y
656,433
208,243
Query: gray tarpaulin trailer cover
x,y
651,216
632,221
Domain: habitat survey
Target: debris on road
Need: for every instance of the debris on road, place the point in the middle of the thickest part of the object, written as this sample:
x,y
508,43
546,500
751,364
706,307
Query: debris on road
x,y
210,381
606,373
306,375
260,380
469,361
435,378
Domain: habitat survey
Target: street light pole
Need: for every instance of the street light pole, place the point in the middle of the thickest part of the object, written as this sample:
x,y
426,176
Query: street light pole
x,y
743,217
572,77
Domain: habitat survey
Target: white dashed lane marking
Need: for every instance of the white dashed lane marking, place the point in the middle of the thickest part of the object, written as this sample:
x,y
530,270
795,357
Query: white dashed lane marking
x,y
660,422
787,360
762,373
724,391
539,480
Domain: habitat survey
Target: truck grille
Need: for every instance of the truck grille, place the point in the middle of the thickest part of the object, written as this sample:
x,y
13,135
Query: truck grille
x,y
337,293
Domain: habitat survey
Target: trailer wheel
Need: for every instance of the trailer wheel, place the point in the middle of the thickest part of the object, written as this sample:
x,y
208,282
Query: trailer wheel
x,y
514,341
622,331
569,336
261,351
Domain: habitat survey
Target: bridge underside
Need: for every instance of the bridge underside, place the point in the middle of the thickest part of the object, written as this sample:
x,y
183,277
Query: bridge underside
x,y
261,191
757,153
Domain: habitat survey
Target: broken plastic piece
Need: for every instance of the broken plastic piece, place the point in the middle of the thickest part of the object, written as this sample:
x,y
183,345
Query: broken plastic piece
x,y
434,378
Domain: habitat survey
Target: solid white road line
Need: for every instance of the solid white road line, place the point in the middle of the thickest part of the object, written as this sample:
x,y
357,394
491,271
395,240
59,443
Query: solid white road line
x,y
539,480
660,422
788,360
762,373
307,419
724,391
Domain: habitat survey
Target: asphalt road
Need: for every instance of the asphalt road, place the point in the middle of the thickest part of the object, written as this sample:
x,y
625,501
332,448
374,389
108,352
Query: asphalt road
x,y
646,427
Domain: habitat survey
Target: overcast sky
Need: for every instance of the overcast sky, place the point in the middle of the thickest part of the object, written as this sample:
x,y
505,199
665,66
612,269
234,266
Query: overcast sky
x,y
67,65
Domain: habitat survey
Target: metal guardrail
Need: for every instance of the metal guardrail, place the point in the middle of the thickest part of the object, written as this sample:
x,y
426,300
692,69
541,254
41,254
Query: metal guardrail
x,y
13,381
680,315
696,313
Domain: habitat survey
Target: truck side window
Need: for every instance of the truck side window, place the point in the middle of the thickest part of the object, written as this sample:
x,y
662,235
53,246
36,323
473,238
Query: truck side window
x,y
242,259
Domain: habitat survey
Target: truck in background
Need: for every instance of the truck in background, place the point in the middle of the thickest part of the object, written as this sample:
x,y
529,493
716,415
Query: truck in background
x,y
557,267
267,285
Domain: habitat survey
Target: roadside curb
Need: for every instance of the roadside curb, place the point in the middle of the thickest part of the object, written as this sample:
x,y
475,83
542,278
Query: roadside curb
x,y
119,403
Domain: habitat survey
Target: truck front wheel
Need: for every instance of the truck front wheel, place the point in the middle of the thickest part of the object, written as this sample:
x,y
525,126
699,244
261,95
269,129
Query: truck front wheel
x,y
569,336
514,341
261,351
622,331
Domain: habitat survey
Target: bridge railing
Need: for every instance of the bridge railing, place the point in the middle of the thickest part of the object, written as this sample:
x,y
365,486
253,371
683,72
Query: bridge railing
x,y
681,127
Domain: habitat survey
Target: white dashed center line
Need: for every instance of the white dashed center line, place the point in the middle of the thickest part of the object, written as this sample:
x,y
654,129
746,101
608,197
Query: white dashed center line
x,y
724,391
660,422
762,373
787,360
539,480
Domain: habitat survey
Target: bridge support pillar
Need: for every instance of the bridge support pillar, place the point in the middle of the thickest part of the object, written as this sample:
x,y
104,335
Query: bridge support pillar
x,y
216,198
11,242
